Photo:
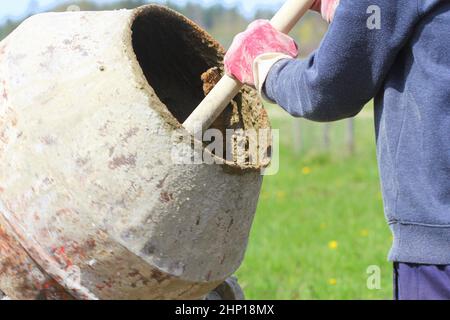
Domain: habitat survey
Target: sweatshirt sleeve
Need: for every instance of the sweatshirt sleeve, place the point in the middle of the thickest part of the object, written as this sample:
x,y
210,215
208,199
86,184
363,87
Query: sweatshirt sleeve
x,y
349,67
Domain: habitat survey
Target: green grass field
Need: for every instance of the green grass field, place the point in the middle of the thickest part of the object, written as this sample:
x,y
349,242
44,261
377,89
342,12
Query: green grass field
x,y
320,221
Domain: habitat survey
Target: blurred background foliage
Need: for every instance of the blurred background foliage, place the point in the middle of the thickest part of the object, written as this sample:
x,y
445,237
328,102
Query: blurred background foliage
x,y
320,223
222,22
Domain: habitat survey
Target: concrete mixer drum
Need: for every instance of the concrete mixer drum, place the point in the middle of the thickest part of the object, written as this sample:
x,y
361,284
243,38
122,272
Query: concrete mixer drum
x,y
91,204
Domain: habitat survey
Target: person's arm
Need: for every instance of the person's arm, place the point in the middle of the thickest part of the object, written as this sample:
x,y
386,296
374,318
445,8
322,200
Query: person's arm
x,y
350,65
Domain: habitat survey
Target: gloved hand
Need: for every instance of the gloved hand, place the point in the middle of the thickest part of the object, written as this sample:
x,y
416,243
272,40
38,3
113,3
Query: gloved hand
x,y
327,8
259,38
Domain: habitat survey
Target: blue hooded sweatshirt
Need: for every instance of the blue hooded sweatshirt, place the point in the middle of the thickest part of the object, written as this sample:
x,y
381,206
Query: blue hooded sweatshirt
x,y
397,52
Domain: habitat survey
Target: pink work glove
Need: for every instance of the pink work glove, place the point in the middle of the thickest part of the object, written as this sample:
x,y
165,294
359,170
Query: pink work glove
x,y
259,38
327,8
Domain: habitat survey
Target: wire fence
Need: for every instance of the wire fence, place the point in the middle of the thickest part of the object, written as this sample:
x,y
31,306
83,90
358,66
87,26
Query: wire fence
x,y
326,136
303,137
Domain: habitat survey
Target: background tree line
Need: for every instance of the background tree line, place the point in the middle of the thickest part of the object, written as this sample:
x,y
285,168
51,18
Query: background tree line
x,y
222,22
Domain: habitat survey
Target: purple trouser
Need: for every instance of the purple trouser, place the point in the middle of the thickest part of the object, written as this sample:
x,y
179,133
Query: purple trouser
x,y
421,282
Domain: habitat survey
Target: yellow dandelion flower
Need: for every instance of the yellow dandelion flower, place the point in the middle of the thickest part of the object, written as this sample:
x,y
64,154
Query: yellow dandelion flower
x,y
306,170
364,233
333,245
332,282
281,195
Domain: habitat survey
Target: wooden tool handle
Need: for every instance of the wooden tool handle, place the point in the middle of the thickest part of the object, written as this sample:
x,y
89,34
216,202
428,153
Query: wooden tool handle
x,y
227,88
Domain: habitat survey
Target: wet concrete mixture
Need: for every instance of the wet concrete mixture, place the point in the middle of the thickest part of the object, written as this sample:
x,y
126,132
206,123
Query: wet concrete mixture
x,y
182,63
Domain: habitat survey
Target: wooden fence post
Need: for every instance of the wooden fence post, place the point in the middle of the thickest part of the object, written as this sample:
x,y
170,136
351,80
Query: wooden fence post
x,y
326,136
351,136
297,137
